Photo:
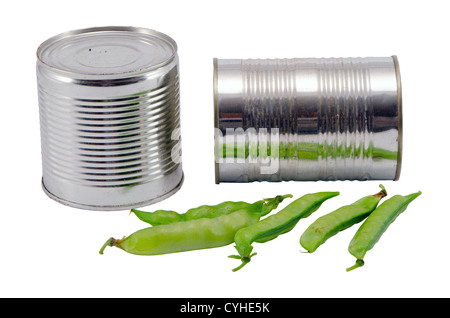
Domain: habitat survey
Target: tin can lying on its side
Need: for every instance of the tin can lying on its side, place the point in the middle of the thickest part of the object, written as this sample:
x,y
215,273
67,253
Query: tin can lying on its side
x,y
307,119
109,115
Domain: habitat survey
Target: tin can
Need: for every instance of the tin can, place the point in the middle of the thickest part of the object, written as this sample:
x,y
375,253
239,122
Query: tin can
x,y
109,117
307,119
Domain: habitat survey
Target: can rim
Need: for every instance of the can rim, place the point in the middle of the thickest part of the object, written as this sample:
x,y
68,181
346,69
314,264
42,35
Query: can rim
x,y
216,119
400,118
131,29
112,207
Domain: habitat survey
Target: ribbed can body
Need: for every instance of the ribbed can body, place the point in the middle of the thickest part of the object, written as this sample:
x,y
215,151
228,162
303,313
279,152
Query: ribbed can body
x,y
307,119
110,132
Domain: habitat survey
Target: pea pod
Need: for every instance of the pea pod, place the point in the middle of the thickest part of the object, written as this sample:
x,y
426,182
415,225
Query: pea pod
x,y
376,224
193,234
276,224
332,223
161,217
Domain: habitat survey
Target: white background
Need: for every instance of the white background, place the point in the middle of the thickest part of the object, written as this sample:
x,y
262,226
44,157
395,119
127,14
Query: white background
x,y
50,250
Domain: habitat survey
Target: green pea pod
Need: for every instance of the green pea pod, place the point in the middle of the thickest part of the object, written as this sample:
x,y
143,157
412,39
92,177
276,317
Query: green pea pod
x,y
158,217
193,234
161,217
332,223
376,224
276,224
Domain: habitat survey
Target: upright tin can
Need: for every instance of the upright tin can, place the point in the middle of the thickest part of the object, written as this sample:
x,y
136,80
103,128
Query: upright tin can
x,y
109,117
307,119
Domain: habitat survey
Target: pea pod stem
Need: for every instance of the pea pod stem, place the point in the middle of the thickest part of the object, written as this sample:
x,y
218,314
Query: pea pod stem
x,y
382,193
110,242
244,261
358,263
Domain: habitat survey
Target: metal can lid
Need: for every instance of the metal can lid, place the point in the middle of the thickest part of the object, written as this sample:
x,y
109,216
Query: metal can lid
x,y
107,51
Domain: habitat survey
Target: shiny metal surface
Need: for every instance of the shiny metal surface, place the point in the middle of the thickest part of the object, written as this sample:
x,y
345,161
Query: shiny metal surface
x,y
109,117
307,119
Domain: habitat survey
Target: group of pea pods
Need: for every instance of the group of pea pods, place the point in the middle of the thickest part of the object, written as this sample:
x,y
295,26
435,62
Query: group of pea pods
x,y
240,222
